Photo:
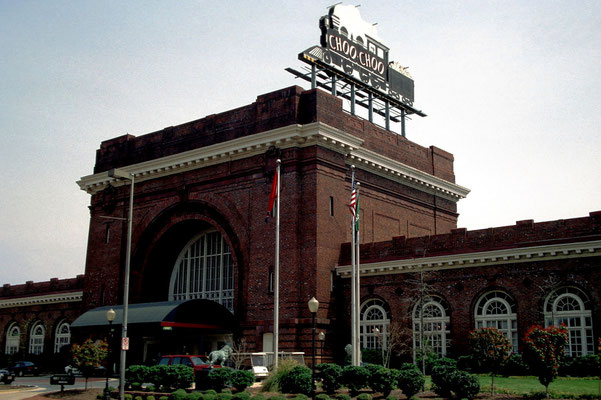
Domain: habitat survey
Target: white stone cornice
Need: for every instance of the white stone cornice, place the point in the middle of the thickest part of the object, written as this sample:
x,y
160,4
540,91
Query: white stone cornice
x,y
478,259
316,133
68,297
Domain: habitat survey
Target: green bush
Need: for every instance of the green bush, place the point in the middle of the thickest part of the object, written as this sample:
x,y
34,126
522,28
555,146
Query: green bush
x,y
242,396
298,380
371,356
136,386
322,396
127,396
164,398
171,377
580,366
208,396
136,373
514,365
272,383
210,392
441,378
355,378
150,388
179,394
300,396
192,396
464,385
383,380
343,396
364,396
258,397
391,397
409,366
138,397
151,397
278,397
223,396
330,377
241,379
410,381
218,379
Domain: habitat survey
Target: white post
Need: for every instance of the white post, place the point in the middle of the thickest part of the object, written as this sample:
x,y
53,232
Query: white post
x,y
276,274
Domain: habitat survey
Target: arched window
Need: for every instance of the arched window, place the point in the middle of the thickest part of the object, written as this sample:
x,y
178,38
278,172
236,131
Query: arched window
x,y
571,307
62,336
374,324
36,339
13,339
204,270
497,310
436,330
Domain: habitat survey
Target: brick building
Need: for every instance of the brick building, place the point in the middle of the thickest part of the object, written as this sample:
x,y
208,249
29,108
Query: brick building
x,y
203,254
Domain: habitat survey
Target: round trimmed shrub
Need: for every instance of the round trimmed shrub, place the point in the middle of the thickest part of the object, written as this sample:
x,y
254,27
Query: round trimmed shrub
x,y
242,396
364,396
179,394
223,396
465,385
343,396
258,397
322,396
442,378
298,380
355,378
151,397
383,380
136,373
218,379
410,381
241,379
330,377
300,396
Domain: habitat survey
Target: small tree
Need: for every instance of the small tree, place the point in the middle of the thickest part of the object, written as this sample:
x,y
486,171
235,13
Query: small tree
x,y
544,349
491,348
89,356
239,352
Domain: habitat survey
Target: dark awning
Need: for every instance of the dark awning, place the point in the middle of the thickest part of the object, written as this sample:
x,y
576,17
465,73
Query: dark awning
x,y
199,314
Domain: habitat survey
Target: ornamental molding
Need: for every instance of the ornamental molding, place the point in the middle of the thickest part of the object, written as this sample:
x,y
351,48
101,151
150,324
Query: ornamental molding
x,y
316,133
45,299
478,259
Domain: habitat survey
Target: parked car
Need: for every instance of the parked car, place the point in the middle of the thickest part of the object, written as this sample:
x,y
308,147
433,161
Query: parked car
x,y
21,368
6,376
201,364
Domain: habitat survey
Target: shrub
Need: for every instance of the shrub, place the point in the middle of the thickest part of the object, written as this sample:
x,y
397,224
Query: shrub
x,y
298,380
223,396
164,398
208,396
210,391
441,378
364,396
371,356
150,397
322,396
272,383
241,379
410,381
300,396
171,377
343,396
137,373
179,394
464,385
383,380
258,397
330,377
218,378
138,397
150,388
127,396
278,397
354,378
514,365
192,396
580,366
136,386
391,397
242,395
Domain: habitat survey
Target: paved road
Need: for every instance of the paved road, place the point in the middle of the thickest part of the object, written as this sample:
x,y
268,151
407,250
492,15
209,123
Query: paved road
x,y
41,384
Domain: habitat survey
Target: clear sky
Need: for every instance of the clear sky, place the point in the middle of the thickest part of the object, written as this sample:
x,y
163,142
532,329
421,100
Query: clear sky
x,y
511,88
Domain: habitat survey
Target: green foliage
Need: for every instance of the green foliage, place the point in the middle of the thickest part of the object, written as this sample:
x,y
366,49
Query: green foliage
x,y
223,396
410,381
464,385
364,396
343,396
171,377
241,379
371,356
179,394
150,397
322,396
409,366
277,397
218,379
441,379
544,350
192,396
150,388
515,365
300,396
242,395
298,380
127,396
258,397
272,383
210,392
589,365
490,347
383,380
89,356
164,398
330,376
138,397
355,378
391,397
136,373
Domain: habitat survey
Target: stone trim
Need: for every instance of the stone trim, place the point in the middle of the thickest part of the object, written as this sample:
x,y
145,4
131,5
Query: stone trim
x,y
477,259
43,299
316,133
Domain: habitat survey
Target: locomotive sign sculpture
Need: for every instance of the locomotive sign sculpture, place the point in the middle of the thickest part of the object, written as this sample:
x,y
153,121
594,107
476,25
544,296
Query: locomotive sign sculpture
x,y
351,51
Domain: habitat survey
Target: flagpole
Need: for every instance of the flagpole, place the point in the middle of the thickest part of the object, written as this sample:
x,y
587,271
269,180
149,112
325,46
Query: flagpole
x,y
276,274
357,280
353,294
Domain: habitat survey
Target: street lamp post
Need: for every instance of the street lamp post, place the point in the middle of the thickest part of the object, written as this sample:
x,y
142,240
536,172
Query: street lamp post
x,y
121,174
313,307
322,338
110,317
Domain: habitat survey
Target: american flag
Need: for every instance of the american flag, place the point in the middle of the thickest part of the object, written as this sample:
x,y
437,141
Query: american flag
x,y
353,204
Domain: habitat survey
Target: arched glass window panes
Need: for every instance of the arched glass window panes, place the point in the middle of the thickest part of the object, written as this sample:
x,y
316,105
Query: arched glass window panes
x,y
204,270
436,328
13,339
62,336
571,307
36,339
374,324
497,310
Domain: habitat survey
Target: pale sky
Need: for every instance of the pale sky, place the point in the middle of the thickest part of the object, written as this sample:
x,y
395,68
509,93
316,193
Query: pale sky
x,y
511,88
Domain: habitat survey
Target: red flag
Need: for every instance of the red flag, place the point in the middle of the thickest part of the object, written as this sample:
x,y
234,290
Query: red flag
x,y
272,195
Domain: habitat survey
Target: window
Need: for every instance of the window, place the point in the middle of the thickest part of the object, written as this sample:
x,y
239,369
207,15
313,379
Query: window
x,y
496,309
571,307
62,336
36,339
13,338
331,206
374,324
436,330
204,270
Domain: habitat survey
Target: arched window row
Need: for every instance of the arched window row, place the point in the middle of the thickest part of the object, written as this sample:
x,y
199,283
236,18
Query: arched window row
x,y
37,334
569,306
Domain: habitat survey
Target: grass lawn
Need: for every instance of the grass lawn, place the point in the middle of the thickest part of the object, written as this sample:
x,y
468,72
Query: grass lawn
x,y
560,387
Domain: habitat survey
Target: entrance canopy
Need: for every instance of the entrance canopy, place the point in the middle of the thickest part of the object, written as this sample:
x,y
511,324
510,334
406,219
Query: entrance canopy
x,y
199,314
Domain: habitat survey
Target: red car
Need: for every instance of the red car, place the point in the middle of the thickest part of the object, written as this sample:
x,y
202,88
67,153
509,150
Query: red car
x,y
200,364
